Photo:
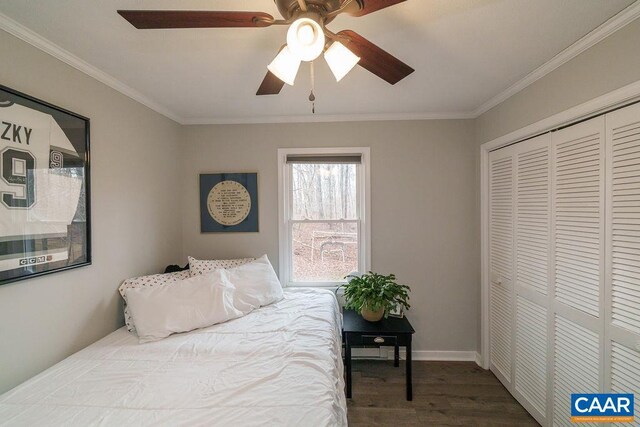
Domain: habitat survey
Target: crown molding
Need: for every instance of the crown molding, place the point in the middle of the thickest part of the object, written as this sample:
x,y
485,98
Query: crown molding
x,y
323,118
36,40
609,27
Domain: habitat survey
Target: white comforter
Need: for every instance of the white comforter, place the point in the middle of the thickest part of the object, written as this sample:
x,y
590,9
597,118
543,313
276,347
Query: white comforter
x,y
278,366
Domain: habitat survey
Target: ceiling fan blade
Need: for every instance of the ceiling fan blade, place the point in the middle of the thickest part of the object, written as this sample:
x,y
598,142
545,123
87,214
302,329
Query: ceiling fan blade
x,y
151,19
370,6
374,59
271,85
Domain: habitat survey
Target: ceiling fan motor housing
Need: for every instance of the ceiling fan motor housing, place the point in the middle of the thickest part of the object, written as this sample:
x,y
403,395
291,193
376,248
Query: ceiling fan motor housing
x,y
289,9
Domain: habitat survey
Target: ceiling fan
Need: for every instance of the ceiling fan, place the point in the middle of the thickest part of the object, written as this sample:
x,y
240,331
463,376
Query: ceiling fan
x,y
307,37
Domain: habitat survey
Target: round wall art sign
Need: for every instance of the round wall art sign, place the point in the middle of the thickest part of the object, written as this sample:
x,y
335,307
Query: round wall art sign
x,y
229,203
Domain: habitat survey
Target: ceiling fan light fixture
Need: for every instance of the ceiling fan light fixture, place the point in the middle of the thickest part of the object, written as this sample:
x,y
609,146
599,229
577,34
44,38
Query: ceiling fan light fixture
x,y
285,66
305,39
340,59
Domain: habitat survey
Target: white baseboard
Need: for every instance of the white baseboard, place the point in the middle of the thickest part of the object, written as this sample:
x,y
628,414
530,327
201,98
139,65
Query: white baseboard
x,y
478,359
444,356
449,356
422,355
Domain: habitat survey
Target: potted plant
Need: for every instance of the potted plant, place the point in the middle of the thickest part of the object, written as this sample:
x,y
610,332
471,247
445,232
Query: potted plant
x,y
375,295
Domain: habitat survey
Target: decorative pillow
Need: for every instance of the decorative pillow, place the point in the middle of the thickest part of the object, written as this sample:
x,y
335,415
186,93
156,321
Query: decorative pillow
x,y
197,267
146,281
193,303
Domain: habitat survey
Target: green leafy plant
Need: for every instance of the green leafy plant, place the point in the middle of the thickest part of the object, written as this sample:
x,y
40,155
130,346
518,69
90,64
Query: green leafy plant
x,y
375,291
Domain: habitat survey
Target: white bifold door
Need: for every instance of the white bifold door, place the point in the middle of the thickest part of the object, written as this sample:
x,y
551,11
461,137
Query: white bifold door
x,y
520,236
564,264
577,250
622,266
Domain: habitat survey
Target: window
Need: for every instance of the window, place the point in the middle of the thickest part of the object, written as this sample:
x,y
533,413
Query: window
x,y
324,222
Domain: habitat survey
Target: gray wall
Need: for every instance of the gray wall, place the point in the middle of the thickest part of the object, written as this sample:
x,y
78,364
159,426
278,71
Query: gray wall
x,y
136,225
423,208
609,65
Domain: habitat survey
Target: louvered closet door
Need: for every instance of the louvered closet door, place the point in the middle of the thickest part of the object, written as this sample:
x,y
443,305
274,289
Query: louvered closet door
x,y
578,260
532,237
623,249
501,207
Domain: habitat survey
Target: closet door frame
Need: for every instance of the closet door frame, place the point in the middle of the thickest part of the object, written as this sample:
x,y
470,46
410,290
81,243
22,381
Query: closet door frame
x,y
618,98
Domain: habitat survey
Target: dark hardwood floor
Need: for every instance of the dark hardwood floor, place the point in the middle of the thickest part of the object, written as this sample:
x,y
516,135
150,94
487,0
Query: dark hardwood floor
x,y
444,393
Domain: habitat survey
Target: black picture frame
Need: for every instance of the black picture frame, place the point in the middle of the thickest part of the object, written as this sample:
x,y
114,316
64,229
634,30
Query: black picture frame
x,y
235,197
45,188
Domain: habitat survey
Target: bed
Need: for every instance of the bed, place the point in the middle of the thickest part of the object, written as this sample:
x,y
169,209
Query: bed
x,y
280,365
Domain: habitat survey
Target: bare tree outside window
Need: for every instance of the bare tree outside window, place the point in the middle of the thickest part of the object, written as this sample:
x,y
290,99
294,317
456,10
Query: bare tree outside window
x,y
324,221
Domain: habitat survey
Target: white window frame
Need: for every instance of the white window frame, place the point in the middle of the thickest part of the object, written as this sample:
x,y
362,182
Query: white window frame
x,y
285,208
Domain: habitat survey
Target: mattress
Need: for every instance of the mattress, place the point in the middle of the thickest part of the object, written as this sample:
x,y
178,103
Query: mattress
x,y
280,365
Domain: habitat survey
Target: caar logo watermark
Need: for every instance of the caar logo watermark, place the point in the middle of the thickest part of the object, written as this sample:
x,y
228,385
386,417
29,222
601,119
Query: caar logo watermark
x,y
607,408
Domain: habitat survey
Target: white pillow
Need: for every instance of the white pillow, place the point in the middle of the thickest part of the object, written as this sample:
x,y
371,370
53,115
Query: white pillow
x,y
193,303
256,283
202,300
147,281
197,266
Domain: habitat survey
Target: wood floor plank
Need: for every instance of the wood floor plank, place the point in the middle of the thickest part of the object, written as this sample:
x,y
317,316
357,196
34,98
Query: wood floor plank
x,y
444,393
383,417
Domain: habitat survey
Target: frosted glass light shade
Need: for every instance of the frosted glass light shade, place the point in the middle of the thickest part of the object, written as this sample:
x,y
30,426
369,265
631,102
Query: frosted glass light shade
x,y
340,59
305,39
285,66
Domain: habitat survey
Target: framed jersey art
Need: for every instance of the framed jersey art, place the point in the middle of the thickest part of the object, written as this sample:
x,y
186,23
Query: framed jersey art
x,y
44,188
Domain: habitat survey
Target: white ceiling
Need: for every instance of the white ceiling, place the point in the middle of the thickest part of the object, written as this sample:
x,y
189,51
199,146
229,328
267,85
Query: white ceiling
x,y
465,52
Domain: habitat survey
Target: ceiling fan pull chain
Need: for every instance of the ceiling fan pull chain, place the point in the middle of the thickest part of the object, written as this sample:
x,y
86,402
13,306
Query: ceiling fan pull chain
x,y
312,96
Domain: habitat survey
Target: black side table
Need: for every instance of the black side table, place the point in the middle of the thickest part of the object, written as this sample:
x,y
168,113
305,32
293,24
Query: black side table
x,y
392,331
